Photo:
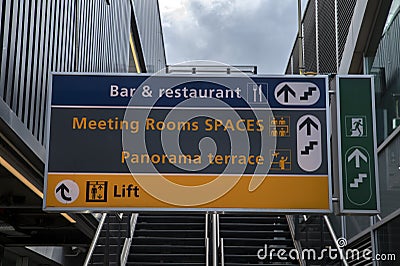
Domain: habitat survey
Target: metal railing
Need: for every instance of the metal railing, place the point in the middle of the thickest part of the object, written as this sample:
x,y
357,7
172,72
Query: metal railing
x,y
297,244
215,239
335,240
207,240
214,252
222,252
210,69
95,238
292,225
126,237
128,241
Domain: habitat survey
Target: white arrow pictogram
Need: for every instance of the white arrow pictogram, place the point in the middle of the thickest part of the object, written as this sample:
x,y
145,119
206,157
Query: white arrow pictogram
x,y
357,154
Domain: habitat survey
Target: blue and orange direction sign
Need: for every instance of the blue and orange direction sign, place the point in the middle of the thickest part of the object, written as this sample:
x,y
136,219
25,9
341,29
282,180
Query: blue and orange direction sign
x,y
140,142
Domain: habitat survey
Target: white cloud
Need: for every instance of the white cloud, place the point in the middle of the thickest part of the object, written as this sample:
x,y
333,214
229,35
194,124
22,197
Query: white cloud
x,y
238,32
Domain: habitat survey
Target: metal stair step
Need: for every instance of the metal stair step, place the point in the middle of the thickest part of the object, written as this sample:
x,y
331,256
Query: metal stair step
x,y
253,218
252,258
171,233
259,263
170,218
166,263
164,249
261,242
169,240
252,250
144,257
168,226
111,241
251,226
255,234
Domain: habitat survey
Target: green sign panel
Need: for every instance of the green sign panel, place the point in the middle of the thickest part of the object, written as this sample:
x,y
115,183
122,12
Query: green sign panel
x,y
358,176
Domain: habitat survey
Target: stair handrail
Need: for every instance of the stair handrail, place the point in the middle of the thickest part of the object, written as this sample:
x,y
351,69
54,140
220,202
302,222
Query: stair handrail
x,y
128,241
207,251
207,240
297,244
331,232
94,241
219,243
335,240
215,240
222,252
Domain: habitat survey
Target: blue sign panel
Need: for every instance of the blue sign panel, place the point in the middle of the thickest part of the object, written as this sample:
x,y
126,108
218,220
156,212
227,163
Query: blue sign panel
x,y
193,127
277,92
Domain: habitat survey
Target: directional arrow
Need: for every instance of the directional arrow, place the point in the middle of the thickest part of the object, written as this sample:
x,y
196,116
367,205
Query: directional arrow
x,y
309,123
357,154
63,188
286,90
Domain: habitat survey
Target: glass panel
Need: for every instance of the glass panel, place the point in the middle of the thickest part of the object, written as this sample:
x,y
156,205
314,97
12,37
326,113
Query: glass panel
x,y
356,224
336,224
389,177
388,242
385,67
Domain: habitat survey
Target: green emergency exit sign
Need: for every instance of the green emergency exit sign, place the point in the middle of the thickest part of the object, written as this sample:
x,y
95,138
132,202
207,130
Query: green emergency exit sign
x,y
358,173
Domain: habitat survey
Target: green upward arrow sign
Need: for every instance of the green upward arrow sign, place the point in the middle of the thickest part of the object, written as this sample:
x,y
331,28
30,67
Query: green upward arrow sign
x,y
358,178
357,155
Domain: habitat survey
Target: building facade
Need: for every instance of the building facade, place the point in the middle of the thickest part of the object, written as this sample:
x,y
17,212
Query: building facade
x,y
37,38
361,37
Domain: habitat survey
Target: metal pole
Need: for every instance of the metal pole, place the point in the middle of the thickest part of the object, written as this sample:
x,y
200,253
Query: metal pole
x,y
222,253
207,241
128,240
300,39
95,238
214,240
218,238
333,235
76,49
337,36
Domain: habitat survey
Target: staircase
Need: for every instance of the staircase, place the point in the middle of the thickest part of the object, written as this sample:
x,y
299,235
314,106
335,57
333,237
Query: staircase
x,y
314,235
111,240
244,235
188,239
169,239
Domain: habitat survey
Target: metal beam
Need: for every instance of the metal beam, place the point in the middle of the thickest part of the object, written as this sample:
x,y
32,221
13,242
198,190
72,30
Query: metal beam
x,y
364,34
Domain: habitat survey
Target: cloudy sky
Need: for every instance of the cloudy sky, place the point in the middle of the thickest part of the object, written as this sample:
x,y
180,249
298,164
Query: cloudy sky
x,y
235,32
